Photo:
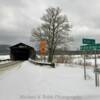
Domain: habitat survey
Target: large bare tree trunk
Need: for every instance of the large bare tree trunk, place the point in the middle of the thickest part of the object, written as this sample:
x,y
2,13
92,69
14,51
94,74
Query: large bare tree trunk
x,y
50,58
50,55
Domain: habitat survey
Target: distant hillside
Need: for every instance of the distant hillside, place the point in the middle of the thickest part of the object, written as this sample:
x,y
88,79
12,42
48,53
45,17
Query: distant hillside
x,y
4,49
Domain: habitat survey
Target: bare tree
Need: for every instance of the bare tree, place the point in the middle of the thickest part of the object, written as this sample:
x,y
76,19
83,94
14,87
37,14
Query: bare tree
x,y
54,29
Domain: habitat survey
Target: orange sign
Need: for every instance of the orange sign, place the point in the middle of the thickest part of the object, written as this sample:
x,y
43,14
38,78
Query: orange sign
x,y
42,47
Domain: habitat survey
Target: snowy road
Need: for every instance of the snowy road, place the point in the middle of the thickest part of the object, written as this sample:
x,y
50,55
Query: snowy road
x,y
5,67
8,64
32,82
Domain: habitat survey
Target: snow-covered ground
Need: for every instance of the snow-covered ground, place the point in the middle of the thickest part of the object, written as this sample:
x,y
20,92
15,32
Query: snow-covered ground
x,y
3,57
27,81
80,60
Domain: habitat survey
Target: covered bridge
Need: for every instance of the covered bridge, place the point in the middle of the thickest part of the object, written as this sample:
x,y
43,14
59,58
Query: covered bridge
x,y
22,51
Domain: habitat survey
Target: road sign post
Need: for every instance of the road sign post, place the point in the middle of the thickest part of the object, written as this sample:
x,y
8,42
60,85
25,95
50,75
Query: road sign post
x,y
96,74
84,66
91,46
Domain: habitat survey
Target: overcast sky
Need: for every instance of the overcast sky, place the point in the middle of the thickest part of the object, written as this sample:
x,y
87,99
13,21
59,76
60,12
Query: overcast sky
x,y
18,17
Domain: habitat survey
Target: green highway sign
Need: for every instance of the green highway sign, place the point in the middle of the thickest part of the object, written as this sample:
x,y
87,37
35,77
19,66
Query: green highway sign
x,y
88,41
87,47
90,47
98,46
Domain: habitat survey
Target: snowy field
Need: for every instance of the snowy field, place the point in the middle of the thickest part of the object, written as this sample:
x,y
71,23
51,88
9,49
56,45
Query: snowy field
x,y
27,81
80,59
4,57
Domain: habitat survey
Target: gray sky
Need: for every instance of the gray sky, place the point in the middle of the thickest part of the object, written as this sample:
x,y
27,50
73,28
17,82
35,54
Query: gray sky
x,y
18,17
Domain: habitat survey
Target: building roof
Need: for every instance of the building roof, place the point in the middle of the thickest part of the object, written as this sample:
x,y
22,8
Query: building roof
x,y
21,45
